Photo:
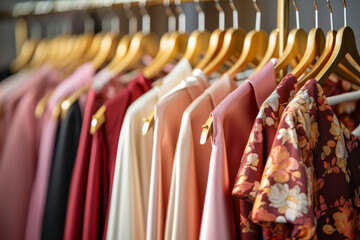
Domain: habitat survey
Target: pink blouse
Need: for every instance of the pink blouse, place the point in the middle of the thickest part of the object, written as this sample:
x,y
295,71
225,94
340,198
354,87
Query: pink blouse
x,y
232,122
79,78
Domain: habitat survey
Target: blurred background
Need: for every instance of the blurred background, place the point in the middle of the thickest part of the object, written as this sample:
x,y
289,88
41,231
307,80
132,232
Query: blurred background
x,y
49,25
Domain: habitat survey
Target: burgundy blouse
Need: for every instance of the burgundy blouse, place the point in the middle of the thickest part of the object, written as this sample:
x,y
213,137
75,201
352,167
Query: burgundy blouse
x,y
103,155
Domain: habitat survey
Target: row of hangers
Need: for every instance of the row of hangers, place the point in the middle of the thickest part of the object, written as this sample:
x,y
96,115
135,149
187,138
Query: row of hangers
x,y
309,55
337,54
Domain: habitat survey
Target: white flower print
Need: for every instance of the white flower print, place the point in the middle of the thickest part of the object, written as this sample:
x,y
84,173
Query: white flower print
x,y
287,135
273,101
278,195
289,201
253,159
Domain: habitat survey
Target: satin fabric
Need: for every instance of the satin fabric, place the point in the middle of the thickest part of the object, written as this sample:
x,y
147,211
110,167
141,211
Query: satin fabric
x,y
20,153
83,75
64,155
168,113
129,197
76,203
103,155
232,122
191,164
7,105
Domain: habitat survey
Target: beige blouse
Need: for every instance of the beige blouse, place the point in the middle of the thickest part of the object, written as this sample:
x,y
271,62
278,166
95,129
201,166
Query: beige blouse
x,y
168,114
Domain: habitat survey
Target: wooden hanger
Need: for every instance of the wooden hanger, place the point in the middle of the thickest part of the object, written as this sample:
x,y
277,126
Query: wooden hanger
x,y
216,40
140,45
295,47
172,46
144,42
39,54
314,47
121,51
255,45
176,45
322,60
81,45
199,39
89,54
26,53
232,45
107,50
272,50
345,44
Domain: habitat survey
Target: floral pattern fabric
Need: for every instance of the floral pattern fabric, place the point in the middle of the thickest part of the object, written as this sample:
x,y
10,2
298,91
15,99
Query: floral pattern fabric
x,y
261,138
310,186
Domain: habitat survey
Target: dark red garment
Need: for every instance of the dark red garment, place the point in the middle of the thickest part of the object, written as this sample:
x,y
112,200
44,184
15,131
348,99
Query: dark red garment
x,y
77,192
103,156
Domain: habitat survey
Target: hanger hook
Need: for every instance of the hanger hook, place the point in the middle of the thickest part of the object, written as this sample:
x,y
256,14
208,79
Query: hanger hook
x,y
182,16
316,15
132,18
145,17
221,15
171,17
258,15
114,19
331,15
297,15
201,15
345,13
234,14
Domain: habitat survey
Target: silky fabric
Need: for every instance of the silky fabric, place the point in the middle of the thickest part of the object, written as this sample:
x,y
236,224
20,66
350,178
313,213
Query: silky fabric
x,y
167,117
103,155
311,181
61,171
191,164
232,123
76,203
7,87
130,191
18,167
78,79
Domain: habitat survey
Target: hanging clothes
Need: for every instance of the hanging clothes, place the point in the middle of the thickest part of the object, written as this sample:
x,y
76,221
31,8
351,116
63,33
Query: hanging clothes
x,y
82,76
8,101
221,217
20,153
131,181
168,112
103,155
64,155
191,164
297,188
77,193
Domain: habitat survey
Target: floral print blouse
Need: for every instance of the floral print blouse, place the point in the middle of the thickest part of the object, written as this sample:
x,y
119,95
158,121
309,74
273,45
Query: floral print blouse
x,y
310,186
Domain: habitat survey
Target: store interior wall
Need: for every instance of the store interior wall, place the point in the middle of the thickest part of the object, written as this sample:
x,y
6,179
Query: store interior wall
x,y
159,21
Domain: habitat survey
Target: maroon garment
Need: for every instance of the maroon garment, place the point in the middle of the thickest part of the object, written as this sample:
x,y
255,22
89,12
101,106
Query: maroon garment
x,y
103,156
259,145
20,154
77,193
311,181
